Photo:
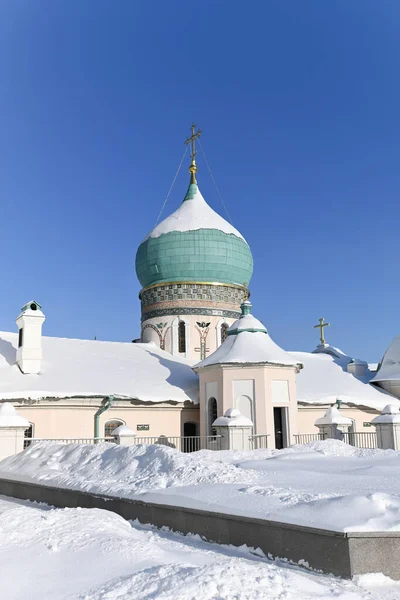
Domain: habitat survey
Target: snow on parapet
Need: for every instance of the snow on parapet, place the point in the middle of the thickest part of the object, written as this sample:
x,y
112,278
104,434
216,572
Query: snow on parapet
x,y
390,414
333,417
193,214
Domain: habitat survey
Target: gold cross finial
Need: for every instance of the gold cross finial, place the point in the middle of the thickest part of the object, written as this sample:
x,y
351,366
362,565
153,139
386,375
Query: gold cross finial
x,y
191,140
321,326
246,292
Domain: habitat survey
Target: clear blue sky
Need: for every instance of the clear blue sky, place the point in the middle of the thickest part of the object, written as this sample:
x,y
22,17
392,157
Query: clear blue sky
x,y
299,102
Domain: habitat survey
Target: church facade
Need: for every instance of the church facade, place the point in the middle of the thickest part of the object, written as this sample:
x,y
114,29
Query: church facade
x,y
201,352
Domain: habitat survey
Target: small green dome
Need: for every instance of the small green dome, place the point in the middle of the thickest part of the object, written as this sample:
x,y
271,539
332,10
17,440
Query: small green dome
x,y
194,244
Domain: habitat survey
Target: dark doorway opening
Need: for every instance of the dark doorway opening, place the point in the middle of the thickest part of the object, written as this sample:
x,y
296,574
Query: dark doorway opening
x,y
191,443
279,426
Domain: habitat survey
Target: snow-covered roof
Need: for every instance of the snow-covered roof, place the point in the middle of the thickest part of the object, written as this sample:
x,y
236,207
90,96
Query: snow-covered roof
x,y
249,342
82,368
10,418
194,213
324,379
390,367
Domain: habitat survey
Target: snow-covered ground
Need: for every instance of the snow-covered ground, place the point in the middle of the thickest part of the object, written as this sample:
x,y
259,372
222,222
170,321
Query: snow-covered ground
x,y
327,484
81,554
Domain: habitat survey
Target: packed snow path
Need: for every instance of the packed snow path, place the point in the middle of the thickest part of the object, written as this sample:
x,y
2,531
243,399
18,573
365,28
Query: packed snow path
x,y
81,554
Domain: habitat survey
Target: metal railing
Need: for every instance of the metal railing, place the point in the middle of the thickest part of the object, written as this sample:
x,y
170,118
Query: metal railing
x,y
184,443
361,439
181,443
28,441
259,441
305,438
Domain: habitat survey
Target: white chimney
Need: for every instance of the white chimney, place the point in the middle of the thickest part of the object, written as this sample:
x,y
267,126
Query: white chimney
x,y
29,353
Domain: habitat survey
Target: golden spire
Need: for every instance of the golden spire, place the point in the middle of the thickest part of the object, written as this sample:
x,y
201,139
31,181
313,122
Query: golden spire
x,y
191,140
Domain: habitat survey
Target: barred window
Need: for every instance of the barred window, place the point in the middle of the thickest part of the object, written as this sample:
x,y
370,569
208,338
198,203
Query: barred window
x,y
224,332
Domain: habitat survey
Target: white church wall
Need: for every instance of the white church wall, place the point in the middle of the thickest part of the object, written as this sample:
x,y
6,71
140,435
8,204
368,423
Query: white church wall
x,y
243,397
168,333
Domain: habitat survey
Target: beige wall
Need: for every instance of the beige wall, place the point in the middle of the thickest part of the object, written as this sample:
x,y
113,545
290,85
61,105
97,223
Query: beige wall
x,y
75,418
307,415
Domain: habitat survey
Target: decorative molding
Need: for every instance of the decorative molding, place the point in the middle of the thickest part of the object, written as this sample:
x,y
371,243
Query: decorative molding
x,y
206,312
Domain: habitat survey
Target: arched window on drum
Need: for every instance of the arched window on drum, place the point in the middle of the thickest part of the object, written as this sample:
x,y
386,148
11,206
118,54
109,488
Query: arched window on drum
x,y
224,332
181,337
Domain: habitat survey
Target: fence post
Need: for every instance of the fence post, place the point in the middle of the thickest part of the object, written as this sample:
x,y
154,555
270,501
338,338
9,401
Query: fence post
x,y
388,428
234,430
124,436
333,425
12,429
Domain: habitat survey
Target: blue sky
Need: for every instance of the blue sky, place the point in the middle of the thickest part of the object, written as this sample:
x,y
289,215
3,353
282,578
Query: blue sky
x,y
299,103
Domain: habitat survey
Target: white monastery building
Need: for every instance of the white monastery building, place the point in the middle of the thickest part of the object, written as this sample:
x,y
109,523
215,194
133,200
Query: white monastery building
x,y
201,352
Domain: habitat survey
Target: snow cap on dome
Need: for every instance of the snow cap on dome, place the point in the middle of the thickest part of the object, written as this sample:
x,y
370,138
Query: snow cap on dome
x,y
248,342
194,213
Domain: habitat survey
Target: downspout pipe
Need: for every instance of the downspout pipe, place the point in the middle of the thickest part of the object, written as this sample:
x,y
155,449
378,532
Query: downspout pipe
x,y
107,403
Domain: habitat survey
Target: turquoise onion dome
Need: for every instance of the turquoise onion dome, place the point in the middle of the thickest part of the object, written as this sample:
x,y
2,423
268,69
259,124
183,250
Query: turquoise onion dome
x,y
194,244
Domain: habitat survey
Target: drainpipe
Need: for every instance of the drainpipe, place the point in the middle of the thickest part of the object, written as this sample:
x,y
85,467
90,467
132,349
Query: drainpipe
x,y
107,402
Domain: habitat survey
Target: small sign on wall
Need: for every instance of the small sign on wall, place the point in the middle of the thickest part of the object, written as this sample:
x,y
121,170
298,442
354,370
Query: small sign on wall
x,y
367,424
142,427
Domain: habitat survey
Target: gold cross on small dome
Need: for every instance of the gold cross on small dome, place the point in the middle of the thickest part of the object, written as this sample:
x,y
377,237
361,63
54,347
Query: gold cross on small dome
x,y
321,326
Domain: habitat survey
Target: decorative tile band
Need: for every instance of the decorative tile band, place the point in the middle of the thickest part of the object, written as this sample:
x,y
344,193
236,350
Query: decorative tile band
x,y
200,292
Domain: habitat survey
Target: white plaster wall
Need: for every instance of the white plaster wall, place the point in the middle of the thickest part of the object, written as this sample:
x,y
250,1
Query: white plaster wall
x,y
170,333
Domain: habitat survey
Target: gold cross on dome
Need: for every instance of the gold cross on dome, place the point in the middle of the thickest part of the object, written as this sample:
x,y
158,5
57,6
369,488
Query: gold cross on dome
x,y
191,140
321,326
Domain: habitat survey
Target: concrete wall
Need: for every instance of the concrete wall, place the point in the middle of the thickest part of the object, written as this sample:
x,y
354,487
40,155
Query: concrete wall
x,y
343,554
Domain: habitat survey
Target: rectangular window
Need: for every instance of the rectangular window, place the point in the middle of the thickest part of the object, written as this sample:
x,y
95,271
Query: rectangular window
x,y
20,337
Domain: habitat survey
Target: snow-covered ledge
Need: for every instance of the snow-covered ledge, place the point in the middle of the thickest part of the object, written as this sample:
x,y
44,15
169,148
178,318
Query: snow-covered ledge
x,y
235,430
333,424
124,435
12,428
388,428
